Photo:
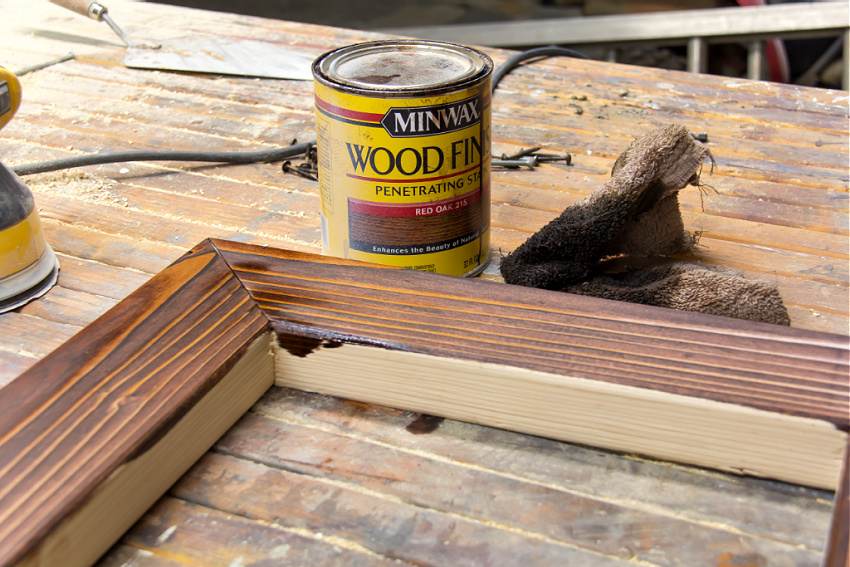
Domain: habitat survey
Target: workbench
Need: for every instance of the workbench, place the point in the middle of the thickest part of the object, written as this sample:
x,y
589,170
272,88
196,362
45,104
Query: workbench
x,y
403,487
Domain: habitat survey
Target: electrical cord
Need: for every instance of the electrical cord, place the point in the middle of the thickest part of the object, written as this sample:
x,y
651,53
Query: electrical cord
x,y
536,53
261,156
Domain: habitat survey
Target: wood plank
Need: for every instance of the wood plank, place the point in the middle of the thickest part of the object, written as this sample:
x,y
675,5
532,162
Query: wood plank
x,y
68,306
367,516
376,313
552,189
33,336
117,250
199,535
443,491
759,508
729,149
473,335
745,101
756,253
164,371
816,320
613,417
80,274
838,547
14,364
161,229
123,555
756,166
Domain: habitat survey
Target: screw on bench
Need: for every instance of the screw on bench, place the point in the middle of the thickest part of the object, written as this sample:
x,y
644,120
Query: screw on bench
x,y
304,170
566,158
519,154
526,161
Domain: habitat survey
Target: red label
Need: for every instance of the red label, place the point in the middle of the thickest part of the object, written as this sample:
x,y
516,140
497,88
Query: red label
x,y
425,209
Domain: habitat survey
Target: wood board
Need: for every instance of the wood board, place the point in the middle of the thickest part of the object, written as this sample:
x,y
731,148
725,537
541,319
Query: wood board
x,y
192,325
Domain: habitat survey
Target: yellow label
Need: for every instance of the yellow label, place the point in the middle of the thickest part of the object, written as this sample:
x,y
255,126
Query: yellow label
x,y
406,181
21,245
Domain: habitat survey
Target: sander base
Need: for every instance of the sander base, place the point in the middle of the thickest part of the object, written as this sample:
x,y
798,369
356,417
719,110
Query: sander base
x,y
30,283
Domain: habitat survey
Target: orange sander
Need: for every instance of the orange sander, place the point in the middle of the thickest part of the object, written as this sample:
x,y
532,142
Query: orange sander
x,y
28,267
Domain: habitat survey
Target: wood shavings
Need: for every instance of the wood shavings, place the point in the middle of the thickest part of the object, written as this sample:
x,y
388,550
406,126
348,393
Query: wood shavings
x,y
77,184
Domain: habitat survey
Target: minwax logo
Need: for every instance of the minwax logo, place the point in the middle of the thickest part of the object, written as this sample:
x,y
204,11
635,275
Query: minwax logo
x,y
432,120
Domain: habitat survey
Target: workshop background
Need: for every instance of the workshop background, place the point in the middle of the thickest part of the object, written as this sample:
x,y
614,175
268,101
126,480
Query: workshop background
x,y
723,59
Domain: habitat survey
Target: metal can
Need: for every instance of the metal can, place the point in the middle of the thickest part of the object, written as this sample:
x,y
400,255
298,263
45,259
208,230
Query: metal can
x,y
403,135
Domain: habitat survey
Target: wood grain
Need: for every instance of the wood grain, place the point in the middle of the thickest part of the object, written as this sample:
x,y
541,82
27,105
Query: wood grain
x,y
108,396
739,504
353,474
838,546
198,535
591,371
422,494
761,366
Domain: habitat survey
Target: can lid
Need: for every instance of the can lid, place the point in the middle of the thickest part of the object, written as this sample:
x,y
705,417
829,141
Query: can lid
x,y
401,65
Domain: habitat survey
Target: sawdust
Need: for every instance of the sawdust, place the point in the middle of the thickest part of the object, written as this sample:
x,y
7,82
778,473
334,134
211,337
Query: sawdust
x,y
79,185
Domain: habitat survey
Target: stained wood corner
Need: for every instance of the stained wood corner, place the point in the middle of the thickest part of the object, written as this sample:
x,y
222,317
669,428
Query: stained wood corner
x,y
189,352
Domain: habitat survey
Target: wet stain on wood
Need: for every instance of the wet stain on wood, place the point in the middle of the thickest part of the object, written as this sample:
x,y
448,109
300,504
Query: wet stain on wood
x,y
301,339
301,346
297,345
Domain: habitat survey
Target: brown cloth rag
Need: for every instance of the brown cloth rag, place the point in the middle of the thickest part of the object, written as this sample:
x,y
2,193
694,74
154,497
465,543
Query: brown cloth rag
x,y
636,213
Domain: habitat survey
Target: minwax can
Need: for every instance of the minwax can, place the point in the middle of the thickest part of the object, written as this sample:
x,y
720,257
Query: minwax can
x,y
403,135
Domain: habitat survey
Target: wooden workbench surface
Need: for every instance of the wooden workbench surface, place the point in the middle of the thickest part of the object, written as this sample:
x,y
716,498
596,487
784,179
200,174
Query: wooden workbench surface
x,y
317,480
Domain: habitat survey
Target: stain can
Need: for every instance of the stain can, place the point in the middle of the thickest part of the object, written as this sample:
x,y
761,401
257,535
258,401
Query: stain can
x,y
403,135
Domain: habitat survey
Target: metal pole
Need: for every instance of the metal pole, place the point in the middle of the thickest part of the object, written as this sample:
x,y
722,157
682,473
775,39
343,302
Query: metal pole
x,y
755,60
697,55
845,70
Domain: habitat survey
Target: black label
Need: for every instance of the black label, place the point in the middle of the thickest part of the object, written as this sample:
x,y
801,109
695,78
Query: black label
x,y
432,120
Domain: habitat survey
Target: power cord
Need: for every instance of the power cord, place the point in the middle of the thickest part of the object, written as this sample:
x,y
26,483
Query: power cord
x,y
535,54
263,156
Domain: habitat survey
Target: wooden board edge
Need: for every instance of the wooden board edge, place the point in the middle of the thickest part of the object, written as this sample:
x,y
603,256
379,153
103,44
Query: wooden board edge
x,y
88,415
838,542
769,367
617,417
129,492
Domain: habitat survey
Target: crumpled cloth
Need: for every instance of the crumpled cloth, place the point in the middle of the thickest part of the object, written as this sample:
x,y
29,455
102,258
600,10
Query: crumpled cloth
x,y
636,214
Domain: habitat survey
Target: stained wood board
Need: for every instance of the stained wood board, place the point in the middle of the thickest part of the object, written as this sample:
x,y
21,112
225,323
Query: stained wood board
x,y
189,352
101,427
838,546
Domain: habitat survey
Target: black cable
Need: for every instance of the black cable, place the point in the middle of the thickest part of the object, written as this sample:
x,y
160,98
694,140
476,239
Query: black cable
x,y
536,53
256,156
261,156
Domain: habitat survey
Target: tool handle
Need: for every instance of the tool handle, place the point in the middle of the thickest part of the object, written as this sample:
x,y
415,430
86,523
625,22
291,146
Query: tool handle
x,y
93,10
10,95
